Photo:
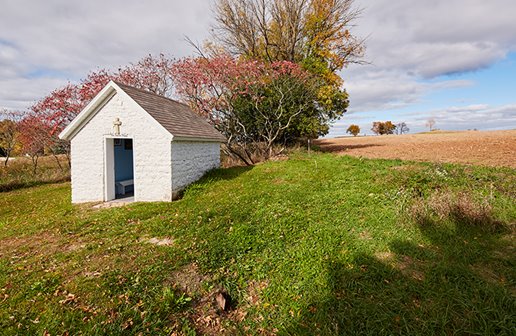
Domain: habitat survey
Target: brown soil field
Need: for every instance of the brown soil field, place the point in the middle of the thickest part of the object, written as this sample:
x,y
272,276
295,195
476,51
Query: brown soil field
x,y
487,148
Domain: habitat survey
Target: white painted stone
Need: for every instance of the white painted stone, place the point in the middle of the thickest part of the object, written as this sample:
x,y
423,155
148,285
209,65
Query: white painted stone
x,y
152,171
191,160
162,166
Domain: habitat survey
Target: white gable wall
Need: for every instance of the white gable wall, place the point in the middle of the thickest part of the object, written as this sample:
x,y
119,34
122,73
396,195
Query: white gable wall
x,y
151,152
191,160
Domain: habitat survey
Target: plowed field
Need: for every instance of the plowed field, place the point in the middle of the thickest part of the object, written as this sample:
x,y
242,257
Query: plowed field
x,y
489,148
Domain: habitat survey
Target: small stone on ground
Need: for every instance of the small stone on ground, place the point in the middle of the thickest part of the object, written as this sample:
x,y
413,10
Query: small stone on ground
x,y
160,241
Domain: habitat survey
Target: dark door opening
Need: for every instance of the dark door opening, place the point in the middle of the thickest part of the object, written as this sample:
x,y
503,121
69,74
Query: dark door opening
x,y
124,168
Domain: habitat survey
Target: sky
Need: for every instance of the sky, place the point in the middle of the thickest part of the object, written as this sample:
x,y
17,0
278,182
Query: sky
x,y
451,60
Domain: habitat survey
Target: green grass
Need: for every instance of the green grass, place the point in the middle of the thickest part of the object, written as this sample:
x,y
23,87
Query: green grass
x,y
317,244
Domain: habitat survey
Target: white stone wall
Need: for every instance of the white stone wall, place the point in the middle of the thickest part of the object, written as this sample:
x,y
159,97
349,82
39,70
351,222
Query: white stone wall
x,y
191,160
151,150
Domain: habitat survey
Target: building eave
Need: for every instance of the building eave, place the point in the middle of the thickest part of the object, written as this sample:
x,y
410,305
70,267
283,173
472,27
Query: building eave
x,y
197,139
100,99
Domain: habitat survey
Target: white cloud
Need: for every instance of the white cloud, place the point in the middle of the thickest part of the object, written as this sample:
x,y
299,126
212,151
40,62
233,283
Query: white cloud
x,y
44,44
379,90
469,117
19,93
9,67
76,36
430,60
410,41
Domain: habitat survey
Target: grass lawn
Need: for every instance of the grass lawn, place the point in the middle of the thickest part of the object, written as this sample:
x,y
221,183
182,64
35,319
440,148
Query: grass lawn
x,y
318,244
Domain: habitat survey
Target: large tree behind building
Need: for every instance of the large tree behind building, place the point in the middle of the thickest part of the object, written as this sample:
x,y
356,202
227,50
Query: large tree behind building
x,y
271,75
256,105
313,33
289,30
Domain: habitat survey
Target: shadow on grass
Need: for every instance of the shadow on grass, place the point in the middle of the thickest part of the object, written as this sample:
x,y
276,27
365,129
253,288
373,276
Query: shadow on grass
x,y
224,174
461,282
335,148
215,175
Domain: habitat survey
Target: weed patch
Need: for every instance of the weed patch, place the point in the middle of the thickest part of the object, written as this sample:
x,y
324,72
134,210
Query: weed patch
x,y
459,208
19,173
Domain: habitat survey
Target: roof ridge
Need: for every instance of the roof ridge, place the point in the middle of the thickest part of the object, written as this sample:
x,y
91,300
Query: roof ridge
x,y
177,118
150,93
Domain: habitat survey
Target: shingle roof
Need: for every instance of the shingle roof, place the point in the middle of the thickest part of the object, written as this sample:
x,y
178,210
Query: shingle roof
x,y
175,117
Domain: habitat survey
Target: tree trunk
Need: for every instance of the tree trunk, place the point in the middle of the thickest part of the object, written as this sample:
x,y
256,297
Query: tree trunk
x,y
57,160
35,163
247,161
7,156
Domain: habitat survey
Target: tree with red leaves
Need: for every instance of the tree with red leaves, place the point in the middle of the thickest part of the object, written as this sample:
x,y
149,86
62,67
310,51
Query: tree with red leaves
x,y
33,138
61,106
251,102
58,108
152,73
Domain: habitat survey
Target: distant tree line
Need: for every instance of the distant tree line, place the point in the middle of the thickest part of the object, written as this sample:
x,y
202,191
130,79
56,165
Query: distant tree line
x,y
381,128
387,127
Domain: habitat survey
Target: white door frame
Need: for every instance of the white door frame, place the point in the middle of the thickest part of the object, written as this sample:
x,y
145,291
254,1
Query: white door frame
x,y
109,169
109,166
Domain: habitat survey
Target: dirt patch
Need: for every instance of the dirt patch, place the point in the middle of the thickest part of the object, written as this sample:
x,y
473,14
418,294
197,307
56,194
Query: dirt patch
x,y
408,168
365,235
29,253
43,242
278,181
210,319
460,208
493,148
280,157
160,241
507,247
384,256
188,279
486,272
254,291
206,314
408,266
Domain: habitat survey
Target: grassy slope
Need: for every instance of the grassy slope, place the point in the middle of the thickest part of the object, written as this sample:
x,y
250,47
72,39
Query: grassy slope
x,y
315,245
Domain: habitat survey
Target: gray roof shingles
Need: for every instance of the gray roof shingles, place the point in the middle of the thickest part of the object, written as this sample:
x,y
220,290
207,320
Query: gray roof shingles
x,y
175,117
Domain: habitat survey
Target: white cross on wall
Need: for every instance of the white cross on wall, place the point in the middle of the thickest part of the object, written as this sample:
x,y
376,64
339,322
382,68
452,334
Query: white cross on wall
x,y
116,126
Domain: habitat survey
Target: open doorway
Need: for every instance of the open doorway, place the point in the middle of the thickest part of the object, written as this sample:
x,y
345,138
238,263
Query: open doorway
x,y
123,168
